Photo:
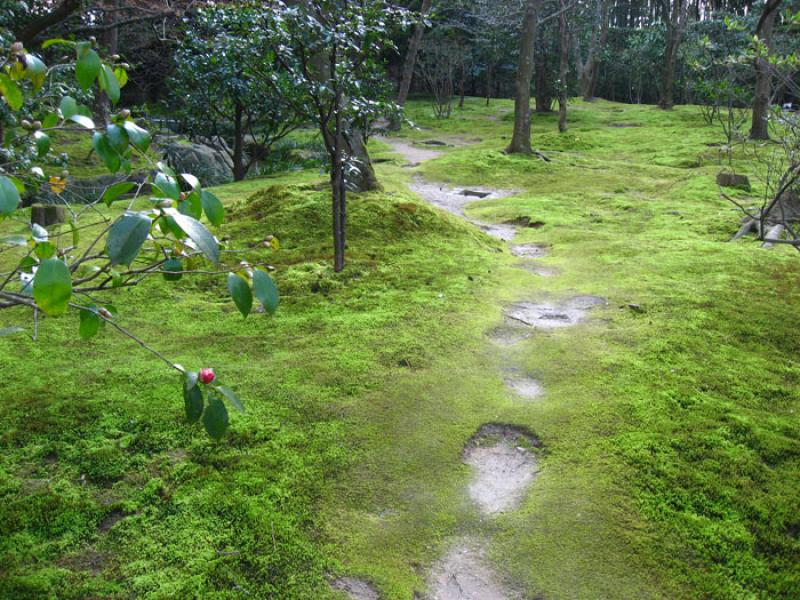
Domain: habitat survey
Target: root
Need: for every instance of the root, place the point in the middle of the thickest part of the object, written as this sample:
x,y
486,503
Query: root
x,y
773,235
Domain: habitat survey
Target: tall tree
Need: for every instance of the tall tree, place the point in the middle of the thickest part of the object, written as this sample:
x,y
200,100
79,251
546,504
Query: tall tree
x,y
759,129
411,54
675,14
521,139
563,65
589,68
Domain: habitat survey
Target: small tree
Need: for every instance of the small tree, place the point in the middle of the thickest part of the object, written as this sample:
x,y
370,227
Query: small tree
x,y
330,50
55,271
438,62
230,91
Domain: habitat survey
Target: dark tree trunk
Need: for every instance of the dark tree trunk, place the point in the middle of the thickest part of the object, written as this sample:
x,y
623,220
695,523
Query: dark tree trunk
x,y
759,129
488,83
411,54
462,83
543,101
239,168
675,13
521,140
110,41
27,34
588,69
563,66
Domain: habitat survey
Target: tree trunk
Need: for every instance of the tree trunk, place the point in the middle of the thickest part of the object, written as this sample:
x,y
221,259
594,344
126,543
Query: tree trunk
x,y
361,175
462,83
759,129
563,66
239,169
411,54
27,34
110,41
338,188
488,83
588,69
521,140
675,16
542,100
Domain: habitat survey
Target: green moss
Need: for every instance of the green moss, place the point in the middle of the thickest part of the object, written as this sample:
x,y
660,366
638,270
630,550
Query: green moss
x,y
671,446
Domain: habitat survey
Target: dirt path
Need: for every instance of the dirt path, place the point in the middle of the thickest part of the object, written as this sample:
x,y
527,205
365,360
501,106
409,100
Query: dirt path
x,y
503,457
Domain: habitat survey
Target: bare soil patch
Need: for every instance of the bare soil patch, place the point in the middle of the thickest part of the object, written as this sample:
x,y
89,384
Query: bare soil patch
x,y
551,315
463,574
355,588
504,467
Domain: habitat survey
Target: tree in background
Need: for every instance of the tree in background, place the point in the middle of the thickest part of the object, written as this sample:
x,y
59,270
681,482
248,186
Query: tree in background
x,y
675,13
759,129
330,50
229,87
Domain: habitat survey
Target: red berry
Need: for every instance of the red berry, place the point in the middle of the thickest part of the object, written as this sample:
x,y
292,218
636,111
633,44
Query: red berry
x,y
207,375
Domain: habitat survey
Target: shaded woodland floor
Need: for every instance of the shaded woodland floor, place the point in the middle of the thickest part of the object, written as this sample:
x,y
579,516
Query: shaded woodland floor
x,y
669,441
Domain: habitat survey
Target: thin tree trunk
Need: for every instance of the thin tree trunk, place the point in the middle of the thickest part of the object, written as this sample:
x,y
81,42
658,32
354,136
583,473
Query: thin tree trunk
x,y
521,139
488,91
238,143
759,129
563,66
110,41
411,54
27,34
339,190
675,13
462,83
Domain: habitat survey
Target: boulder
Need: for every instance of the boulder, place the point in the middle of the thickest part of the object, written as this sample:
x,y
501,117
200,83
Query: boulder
x,y
208,164
733,180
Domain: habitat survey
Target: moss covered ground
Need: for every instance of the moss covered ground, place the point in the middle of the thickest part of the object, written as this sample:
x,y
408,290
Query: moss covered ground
x,y
671,444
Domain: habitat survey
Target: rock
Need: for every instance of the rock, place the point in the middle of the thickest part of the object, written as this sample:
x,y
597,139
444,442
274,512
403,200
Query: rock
x,y
433,143
733,180
47,214
210,165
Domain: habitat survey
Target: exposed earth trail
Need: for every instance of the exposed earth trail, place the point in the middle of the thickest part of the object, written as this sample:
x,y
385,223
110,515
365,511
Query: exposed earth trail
x,y
503,457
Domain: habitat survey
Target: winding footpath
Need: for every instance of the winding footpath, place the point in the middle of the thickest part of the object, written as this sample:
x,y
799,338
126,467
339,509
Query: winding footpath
x,y
503,458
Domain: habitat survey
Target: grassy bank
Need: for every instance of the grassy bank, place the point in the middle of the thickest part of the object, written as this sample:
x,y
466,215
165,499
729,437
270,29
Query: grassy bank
x,y
671,446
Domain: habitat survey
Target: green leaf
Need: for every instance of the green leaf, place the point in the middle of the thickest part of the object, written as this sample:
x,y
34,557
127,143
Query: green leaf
x,y
215,418
11,92
193,401
68,106
42,143
199,234
88,66
90,322
113,192
193,181
50,120
191,206
35,70
140,138
172,269
265,290
9,196
241,294
53,41
232,397
52,286
165,168
44,250
106,152
213,208
122,76
39,233
109,83
168,186
126,237
117,137
83,121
